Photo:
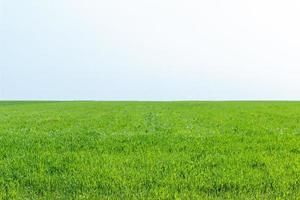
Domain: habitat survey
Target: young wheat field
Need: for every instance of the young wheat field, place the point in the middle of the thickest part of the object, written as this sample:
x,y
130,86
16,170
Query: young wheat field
x,y
149,150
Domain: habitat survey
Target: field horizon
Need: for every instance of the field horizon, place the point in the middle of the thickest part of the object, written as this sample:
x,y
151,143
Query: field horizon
x,y
149,149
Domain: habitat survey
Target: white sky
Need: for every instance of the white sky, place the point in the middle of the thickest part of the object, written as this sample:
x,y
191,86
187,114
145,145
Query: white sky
x,y
149,50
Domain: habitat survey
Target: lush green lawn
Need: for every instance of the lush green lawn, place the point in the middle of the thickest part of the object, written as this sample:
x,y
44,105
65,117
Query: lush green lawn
x,y
150,150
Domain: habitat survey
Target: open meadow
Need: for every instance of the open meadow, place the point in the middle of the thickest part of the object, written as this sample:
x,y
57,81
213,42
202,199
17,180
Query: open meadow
x,y
149,150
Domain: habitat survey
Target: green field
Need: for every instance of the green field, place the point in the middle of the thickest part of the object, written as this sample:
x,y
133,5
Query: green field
x,y
150,150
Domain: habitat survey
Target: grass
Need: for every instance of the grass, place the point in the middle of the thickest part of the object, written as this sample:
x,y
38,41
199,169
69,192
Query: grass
x,y
149,150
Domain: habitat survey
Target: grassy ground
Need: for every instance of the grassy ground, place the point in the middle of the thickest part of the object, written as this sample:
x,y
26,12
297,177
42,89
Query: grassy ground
x,y
149,150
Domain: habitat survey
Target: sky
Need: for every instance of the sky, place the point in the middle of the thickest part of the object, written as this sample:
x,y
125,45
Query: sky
x,y
149,50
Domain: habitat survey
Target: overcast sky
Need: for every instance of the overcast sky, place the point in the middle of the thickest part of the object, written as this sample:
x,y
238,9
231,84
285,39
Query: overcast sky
x,y
149,50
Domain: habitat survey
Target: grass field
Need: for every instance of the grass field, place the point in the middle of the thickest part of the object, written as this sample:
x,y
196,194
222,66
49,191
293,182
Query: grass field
x,y
150,150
